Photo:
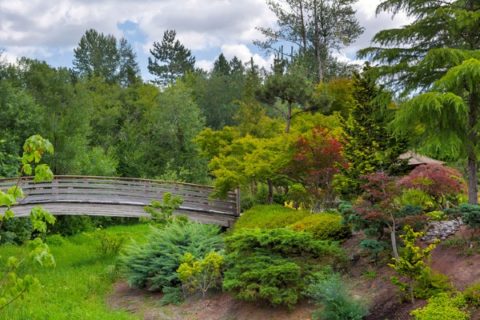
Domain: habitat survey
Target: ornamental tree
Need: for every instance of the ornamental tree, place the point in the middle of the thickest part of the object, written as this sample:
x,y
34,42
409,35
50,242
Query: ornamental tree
x,y
378,209
438,181
317,157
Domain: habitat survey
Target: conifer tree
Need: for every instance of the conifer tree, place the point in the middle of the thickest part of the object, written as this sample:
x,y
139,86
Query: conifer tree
x,y
438,52
369,146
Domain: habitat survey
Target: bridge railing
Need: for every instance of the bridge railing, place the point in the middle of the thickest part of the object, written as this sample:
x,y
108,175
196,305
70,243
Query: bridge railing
x,y
124,192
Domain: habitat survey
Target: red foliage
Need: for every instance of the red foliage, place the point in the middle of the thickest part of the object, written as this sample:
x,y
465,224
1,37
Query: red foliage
x,y
317,158
434,179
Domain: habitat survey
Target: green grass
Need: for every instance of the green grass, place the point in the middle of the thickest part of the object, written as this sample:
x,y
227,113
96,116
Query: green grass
x,y
79,284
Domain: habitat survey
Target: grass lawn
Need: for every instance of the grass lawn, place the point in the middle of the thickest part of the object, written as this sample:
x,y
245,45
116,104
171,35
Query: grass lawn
x,y
77,287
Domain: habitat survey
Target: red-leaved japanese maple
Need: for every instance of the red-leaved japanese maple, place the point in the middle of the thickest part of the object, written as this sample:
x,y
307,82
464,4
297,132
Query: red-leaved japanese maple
x,y
438,181
316,159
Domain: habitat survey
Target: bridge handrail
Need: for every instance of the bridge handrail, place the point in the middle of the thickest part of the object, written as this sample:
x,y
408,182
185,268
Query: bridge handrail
x,y
95,189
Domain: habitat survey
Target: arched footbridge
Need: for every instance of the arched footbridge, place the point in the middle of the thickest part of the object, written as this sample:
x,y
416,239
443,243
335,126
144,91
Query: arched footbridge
x,y
121,197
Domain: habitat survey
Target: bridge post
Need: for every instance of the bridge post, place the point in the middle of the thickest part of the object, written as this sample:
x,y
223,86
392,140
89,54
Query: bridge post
x,y
238,202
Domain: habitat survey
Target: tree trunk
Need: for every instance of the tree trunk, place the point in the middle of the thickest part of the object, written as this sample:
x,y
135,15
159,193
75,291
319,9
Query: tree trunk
x,y
393,238
318,54
289,117
270,191
303,28
472,163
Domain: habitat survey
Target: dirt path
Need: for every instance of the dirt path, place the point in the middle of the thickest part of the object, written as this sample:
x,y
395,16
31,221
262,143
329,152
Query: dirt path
x,y
219,306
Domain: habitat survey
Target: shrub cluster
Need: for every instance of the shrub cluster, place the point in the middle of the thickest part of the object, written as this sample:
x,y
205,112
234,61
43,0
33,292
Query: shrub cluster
x,y
442,307
272,264
323,226
337,304
269,217
153,265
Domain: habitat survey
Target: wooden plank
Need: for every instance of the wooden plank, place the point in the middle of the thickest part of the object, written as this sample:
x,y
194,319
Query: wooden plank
x,y
113,196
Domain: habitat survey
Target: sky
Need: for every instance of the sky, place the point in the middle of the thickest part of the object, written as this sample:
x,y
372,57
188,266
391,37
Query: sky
x,y
50,29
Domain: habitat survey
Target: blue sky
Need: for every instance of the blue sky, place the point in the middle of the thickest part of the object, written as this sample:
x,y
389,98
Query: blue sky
x,y
50,29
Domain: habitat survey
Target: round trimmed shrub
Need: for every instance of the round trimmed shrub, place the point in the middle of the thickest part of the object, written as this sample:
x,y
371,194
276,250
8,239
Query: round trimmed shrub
x,y
269,217
323,226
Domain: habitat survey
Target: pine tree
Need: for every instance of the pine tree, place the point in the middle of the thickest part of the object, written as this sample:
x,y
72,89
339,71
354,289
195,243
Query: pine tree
x,y
171,60
221,66
129,71
439,52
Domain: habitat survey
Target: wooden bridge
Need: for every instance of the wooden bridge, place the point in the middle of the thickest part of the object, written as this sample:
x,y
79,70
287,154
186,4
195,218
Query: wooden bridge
x,y
121,197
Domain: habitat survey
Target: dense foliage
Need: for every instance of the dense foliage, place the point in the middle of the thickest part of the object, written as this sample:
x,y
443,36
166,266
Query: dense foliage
x,y
272,265
269,217
323,226
153,264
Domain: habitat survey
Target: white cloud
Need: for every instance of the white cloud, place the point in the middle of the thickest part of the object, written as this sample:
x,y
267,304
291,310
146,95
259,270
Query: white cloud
x,y
42,28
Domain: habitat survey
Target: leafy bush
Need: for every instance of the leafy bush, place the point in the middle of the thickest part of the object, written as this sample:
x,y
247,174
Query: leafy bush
x,y
374,247
442,307
323,226
430,283
71,225
440,182
472,295
199,275
336,302
416,198
470,215
55,240
109,243
272,264
15,231
162,211
153,265
436,215
269,217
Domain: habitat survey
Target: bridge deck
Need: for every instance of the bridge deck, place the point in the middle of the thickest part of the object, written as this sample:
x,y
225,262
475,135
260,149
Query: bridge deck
x,y
121,197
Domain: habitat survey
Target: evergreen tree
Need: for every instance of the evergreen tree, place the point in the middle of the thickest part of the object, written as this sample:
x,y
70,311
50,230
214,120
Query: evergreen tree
x,y
129,71
221,66
236,66
97,55
439,50
314,28
369,147
171,60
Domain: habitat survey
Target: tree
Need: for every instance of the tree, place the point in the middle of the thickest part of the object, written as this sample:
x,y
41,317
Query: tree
x,y
378,208
314,28
221,66
440,182
369,146
438,51
171,60
129,71
317,158
290,89
100,55
96,55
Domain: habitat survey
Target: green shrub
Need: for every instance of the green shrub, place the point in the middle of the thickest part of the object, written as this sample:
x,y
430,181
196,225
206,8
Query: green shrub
x,y
323,226
471,215
15,231
269,217
374,247
71,225
430,283
436,215
153,265
109,243
472,295
272,264
442,307
336,302
55,240
200,275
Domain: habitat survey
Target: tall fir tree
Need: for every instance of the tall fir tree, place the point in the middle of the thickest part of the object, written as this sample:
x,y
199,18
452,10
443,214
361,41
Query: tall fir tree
x,y
368,145
439,51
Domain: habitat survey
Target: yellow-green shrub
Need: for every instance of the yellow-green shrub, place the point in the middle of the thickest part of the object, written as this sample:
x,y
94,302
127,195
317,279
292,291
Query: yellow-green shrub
x,y
442,307
323,226
472,295
269,217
